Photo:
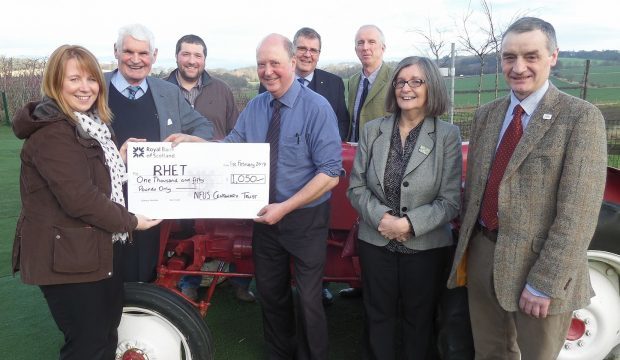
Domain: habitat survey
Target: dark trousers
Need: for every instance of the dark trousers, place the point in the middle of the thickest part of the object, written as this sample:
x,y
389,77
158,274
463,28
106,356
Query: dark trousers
x,y
88,314
400,291
301,236
140,256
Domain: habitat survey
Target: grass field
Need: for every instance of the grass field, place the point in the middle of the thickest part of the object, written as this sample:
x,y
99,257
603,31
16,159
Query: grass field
x,y
595,95
28,332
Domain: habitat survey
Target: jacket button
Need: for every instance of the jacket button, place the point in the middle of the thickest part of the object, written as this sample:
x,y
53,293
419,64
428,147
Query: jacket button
x,y
406,183
404,209
57,236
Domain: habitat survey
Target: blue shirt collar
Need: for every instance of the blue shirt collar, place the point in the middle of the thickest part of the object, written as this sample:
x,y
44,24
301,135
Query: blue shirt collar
x,y
371,78
288,99
530,103
121,84
308,78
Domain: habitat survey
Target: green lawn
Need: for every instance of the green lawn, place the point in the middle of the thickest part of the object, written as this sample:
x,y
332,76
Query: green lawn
x,y
9,198
28,332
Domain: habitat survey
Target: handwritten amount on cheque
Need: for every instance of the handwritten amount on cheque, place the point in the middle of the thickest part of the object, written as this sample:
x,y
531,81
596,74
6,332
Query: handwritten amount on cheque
x,y
169,178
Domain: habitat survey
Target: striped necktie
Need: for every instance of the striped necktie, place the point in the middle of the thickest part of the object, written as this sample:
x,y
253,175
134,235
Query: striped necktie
x,y
273,138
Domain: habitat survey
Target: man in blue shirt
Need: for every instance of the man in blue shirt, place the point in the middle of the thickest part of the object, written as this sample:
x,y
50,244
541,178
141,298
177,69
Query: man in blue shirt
x,y
294,225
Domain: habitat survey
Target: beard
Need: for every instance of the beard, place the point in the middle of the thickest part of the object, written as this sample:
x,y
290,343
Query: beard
x,y
188,77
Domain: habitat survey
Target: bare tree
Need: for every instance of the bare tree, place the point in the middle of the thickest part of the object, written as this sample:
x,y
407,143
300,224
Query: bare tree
x,y
433,39
495,37
20,80
480,48
494,32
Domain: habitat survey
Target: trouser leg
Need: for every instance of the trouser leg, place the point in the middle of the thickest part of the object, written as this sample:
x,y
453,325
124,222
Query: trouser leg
x,y
272,273
541,338
380,284
420,278
88,314
492,328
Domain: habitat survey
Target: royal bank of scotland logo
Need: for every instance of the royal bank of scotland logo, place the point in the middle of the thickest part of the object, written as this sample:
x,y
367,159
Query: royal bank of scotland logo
x,y
138,151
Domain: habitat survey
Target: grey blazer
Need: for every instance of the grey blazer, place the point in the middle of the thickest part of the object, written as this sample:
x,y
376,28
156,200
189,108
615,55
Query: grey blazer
x,y
431,187
549,200
174,112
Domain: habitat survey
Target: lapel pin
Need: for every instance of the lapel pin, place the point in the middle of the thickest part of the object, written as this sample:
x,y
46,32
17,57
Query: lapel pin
x,y
424,150
546,116
169,121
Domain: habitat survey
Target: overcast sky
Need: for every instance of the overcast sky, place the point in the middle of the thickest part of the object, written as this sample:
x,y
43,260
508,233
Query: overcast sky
x,y
233,28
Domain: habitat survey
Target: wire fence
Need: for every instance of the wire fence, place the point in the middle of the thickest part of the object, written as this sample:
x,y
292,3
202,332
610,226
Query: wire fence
x,y
463,120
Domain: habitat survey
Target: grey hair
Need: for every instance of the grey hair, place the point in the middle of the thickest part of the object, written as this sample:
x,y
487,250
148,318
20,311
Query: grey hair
x,y
437,100
309,33
138,32
381,36
527,24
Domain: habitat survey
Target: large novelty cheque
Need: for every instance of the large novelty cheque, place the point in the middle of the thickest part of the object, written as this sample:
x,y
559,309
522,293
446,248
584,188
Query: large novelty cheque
x,y
197,180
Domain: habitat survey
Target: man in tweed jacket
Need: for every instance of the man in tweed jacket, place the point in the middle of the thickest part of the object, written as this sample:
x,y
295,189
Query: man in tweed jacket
x,y
527,275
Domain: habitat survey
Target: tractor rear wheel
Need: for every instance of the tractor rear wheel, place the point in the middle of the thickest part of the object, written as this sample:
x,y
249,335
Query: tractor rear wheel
x,y
595,330
159,324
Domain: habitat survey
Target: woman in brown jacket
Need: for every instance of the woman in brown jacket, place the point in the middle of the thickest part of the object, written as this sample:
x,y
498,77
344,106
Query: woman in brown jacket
x,y
73,218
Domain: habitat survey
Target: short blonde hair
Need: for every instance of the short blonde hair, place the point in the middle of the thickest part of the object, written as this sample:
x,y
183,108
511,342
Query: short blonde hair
x,y
54,76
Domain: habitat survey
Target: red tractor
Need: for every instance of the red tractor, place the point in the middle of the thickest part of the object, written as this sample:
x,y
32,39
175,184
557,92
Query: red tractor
x,y
159,322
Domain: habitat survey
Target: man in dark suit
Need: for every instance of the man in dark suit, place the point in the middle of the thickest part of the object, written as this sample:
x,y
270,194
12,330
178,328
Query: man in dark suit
x,y
307,44
533,191
152,109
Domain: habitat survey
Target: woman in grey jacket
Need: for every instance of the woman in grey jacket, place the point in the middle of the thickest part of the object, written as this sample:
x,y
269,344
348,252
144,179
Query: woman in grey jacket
x,y
405,185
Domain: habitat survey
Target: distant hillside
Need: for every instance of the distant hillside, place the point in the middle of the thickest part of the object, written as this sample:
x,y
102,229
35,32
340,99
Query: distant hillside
x,y
470,65
465,65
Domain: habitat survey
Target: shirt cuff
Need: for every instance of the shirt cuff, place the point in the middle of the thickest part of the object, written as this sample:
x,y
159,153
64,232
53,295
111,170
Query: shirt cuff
x,y
536,292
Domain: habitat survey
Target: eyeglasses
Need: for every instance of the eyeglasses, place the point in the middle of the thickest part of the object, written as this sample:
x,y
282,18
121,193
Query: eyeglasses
x,y
413,83
302,50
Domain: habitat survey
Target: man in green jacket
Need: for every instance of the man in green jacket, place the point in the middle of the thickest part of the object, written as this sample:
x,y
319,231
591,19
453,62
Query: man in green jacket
x,y
368,88
367,92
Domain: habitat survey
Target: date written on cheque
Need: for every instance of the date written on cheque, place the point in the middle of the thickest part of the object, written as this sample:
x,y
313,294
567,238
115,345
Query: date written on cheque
x,y
247,178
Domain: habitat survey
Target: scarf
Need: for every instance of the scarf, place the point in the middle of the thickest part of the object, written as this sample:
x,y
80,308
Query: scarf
x,y
99,131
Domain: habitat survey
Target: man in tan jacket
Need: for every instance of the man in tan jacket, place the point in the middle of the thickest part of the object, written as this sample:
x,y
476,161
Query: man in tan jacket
x,y
534,186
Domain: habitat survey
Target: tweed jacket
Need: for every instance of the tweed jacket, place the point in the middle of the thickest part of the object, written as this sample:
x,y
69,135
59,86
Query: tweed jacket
x,y
431,186
374,106
64,232
549,200
174,112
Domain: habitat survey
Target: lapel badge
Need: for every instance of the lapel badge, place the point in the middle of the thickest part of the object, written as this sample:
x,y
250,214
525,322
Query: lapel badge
x,y
169,122
547,116
424,150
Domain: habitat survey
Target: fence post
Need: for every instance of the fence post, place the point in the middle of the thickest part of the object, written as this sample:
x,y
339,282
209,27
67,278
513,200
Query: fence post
x,y
5,106
452,75
584,89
